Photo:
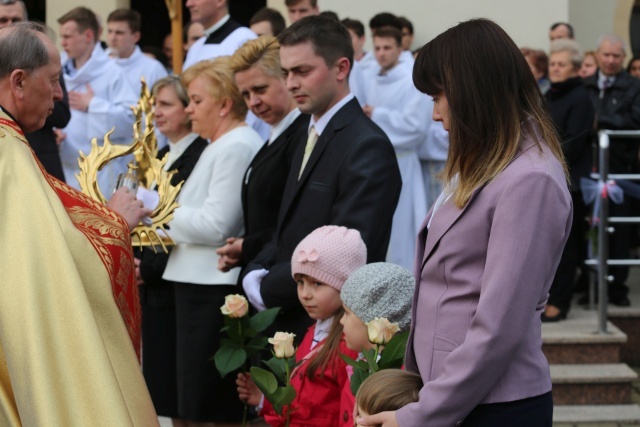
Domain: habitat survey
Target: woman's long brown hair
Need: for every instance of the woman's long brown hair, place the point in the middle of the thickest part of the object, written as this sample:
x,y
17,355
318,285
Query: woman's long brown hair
x,y
494,102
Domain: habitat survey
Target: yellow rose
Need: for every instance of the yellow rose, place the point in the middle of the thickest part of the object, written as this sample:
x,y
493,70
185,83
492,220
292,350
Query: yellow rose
x,y
235,306
282,343
381,330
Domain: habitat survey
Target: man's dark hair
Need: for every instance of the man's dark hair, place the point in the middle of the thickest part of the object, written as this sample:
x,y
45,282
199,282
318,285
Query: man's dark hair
x,y
389,32
406,24
130,16
313,3
385,19
330,14
354,25
329,38
274,17
84,18
566,24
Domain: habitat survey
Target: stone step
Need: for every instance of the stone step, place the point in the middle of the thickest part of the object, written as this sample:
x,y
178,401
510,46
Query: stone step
x,y
596,414
592,384
576,340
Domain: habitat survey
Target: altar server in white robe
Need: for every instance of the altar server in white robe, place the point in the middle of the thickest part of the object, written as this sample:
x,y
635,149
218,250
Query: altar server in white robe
x,y
433,154
394,104
100,98
123,34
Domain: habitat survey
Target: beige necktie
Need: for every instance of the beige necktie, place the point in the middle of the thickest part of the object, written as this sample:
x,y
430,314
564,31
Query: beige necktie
x,y
311,142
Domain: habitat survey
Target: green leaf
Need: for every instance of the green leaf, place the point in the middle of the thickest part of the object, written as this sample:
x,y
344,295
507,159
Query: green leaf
x,y
393,354
357,378
349,361
262,320
256,345
265,381
229,359
363,365
283,396
278,368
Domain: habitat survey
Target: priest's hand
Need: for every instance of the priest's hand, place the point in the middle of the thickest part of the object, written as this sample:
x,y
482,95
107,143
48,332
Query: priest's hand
x,y
80,100
125,203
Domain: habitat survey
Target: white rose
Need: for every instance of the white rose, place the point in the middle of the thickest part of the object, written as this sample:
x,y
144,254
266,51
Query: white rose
x,y
235,306
282,343
380,330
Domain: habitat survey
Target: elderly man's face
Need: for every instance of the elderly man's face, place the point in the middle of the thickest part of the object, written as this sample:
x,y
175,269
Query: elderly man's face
x,y
41,89
10,13
610,58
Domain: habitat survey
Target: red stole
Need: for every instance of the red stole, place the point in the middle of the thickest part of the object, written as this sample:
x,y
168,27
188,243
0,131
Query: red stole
x,y
109,234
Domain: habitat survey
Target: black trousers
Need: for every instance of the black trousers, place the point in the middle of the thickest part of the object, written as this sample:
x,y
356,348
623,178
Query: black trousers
x,y
532,412
561,290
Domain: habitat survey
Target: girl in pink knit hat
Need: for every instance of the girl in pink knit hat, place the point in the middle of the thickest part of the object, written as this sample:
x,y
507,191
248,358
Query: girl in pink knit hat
x,y
320,264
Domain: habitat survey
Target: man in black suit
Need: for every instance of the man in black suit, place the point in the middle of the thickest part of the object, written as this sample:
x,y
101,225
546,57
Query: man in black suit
x,y
345,174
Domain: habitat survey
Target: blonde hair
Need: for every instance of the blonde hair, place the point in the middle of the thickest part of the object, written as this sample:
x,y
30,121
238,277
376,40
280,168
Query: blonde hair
x,y
222,85
388,390
263,53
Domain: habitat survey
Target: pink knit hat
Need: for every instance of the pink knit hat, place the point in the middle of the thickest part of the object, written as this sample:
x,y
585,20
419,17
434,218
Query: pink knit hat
x,y
329,254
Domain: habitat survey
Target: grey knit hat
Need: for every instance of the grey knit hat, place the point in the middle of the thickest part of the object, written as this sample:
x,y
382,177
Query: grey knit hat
x,y
381,289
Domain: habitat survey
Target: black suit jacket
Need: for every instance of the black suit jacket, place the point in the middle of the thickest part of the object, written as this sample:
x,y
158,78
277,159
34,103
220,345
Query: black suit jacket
x,y
351,179
152,264
43,141
618,109
263,187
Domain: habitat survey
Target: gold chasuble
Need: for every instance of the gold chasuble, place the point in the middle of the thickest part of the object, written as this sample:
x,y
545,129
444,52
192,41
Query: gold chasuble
x,y
66,270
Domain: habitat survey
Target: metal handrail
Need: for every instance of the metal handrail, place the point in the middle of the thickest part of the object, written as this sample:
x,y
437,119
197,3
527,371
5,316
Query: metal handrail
x,y
603,262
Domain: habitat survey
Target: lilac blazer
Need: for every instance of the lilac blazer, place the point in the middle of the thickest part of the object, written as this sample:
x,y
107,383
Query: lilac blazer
x,y
484,274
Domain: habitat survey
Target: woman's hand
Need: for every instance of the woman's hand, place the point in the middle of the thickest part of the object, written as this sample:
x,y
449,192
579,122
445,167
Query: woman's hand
x,y
248,391
230,254
384,419
124,202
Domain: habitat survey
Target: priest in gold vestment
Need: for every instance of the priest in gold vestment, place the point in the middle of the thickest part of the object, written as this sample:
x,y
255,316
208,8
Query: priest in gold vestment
x,y
69,314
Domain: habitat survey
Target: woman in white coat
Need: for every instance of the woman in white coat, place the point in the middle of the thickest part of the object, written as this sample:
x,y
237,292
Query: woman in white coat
x,y
210,211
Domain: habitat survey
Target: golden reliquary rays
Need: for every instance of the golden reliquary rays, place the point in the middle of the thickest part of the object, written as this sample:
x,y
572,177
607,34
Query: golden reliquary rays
x,y
149,168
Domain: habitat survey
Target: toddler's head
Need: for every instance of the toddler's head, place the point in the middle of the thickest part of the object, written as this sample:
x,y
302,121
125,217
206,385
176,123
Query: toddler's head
x,y
388,390
321,263
375,290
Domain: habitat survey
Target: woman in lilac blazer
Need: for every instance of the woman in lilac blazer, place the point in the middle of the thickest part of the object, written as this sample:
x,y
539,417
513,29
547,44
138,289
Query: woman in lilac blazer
x,y
490,246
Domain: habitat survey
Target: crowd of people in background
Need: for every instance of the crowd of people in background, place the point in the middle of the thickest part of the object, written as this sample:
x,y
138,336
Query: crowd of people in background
x,y
279,132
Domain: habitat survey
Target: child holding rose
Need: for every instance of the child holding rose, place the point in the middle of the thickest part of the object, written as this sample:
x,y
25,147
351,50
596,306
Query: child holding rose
x,y
320,264
374,291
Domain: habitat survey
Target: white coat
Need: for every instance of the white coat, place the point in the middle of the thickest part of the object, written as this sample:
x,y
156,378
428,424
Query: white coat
x,y
211,210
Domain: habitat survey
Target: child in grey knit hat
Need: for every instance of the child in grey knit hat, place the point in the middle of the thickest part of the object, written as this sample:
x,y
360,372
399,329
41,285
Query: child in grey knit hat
x,y
375,290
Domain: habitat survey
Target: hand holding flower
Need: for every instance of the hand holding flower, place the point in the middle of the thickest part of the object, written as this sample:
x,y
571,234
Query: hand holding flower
x,y
247,390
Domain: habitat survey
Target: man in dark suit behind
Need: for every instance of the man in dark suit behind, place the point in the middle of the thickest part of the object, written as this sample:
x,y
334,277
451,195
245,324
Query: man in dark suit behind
x,y
42,141
346,175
